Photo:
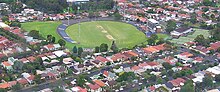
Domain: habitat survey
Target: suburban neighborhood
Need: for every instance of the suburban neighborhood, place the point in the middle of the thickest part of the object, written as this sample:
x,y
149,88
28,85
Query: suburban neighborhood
x,y
109,46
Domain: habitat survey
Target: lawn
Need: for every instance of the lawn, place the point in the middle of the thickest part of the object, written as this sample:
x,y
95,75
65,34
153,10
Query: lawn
x,y
191,37
97,32
45,28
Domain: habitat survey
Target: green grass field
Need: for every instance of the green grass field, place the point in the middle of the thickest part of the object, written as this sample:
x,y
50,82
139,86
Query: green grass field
x,y
182,40
97,32
45,28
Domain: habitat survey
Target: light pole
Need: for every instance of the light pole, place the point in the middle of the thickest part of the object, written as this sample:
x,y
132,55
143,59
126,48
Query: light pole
x,y
79,20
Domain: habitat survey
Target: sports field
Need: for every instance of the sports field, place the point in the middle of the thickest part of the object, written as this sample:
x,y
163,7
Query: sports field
x,y
94,33
45,28
182,40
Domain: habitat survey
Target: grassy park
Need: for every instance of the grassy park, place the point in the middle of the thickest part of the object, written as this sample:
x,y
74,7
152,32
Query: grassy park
x,y
94,33
45,28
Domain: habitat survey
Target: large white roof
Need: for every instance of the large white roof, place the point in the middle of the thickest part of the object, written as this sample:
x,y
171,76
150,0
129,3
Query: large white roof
x,y
3,25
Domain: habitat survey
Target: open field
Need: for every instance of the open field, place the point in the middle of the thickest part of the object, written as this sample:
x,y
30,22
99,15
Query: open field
x,y
191,37
94,33
45,28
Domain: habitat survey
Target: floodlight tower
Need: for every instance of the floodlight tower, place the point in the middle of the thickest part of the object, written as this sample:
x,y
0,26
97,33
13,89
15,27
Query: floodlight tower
x,y
69,2
78,8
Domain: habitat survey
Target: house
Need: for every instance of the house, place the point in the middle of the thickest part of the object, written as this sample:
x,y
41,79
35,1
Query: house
x,y
97,63
5,85
94,88
154,49
185,57
99,82
152,23
198,76
7,65
175,84
119,57
111,83
102,59
154,65
22,81
49,47
214,70
78,89
198,60
170,60
181,32
109,75
46,90
214,90
59,53
68,60
214,46
28,77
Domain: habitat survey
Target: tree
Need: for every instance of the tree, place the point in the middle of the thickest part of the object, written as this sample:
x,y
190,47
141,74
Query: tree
x,y
53,39
201,40
18,65
79,60
80,80
215,34
57,89
217,78
207,81
16,87
16,7
49,6
34,33
49,38
167,66
75,49
3,90
5,18
171,25
37,79
117,16
159,80
188,87
114,47
151,41
103,47
15,24
80,50
62,42
97,49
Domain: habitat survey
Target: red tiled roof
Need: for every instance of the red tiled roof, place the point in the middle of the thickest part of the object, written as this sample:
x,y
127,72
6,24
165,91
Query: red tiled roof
x,y
152,88
176,82
6,63
50,46
31,77
12,83
153,63
22,81
102,59
82,89
105,73
117,56
99,82
94,87
31,58
5,85
135,68
142,64
187,54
